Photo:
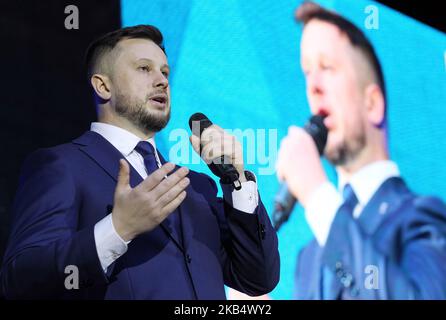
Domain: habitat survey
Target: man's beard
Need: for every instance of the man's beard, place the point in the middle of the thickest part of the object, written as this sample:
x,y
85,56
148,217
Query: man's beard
x,y
137,113
347,151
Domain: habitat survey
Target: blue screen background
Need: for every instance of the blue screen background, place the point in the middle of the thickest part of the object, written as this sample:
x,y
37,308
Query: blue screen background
x,y
237,61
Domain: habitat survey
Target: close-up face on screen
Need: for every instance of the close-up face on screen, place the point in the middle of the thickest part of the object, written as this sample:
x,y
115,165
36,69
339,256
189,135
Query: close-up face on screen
x,y
249,151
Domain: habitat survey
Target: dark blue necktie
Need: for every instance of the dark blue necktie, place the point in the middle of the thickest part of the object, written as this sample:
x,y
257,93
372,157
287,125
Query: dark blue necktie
x,y
343,216
147,151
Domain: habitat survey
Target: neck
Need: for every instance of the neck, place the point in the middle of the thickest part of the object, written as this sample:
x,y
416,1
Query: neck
x,y
110,117
370,154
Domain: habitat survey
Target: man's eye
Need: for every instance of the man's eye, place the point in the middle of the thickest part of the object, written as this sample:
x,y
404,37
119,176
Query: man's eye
x,y
144,68
166,74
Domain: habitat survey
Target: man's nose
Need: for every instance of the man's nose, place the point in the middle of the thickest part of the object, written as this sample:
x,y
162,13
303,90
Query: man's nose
x,y
315,84
160,81
315,93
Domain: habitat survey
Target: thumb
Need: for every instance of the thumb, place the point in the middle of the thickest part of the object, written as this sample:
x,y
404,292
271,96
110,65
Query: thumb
x,y
123,175
195,141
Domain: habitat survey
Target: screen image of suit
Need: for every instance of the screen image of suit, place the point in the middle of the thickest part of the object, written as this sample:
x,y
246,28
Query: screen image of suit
x,y
65,190
396,249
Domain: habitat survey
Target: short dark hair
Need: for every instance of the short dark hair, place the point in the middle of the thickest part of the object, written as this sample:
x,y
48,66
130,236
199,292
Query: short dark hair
x,y
309,11
106,43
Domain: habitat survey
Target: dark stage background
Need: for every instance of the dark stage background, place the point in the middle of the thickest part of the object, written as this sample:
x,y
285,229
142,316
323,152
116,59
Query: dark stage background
x,y
45,98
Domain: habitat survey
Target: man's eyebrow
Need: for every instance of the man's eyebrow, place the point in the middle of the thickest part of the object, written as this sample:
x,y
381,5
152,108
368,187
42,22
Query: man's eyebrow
x,y
144,60
151,61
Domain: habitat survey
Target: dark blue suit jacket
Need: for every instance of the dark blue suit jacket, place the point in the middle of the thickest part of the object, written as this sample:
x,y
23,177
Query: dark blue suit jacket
x,y
397,254
64,191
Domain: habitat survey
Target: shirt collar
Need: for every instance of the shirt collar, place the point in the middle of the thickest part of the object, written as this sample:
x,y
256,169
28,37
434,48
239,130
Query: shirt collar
x,y
121,139
366,181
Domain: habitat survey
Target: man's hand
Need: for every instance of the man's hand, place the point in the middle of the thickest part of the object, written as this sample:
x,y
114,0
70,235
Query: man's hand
x,y
299,164
144,207
215,142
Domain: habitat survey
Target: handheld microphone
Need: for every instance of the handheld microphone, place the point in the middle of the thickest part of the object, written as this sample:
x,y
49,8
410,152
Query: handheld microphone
x,y
220,166
284,201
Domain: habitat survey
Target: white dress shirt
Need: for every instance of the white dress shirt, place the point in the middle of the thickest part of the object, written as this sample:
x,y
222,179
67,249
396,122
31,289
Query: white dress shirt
x,y
326,200
109,245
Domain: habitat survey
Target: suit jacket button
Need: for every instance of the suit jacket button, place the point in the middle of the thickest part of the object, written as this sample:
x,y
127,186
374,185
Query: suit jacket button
x,y
188,258
262,231
347,280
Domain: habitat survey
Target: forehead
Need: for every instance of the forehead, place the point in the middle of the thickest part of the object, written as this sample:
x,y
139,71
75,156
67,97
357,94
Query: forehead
x,y
321,38
136,49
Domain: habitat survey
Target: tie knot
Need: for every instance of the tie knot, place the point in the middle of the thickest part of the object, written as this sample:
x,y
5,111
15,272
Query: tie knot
x,y
145,148
349,196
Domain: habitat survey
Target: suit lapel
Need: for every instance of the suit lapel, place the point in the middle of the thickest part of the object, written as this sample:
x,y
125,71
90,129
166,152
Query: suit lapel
x,y
107,157
386,201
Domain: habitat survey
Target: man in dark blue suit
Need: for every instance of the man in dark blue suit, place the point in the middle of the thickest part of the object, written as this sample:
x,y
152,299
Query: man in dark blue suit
x,y
374,238
106,217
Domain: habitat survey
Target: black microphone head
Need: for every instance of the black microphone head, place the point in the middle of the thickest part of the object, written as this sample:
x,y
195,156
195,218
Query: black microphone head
x,y
318,131
201,122
196,117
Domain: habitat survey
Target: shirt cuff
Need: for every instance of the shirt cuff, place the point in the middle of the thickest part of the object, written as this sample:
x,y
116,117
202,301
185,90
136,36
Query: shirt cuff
x,y
246,199
109,245
321,209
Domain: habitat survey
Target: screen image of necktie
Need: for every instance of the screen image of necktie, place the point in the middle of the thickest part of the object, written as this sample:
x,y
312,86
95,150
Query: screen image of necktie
x,y
335,268
147,151
350,200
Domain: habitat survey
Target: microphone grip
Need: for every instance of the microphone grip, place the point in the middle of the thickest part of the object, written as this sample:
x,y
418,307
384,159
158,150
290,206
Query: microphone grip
x,y
284,200
284,203
221,166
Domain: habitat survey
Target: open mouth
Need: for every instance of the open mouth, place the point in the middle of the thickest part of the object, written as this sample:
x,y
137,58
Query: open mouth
x,y
328,121
159,100
323,113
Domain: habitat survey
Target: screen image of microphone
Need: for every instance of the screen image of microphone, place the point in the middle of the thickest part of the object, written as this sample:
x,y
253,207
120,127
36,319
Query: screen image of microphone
x,y
220,166
284,201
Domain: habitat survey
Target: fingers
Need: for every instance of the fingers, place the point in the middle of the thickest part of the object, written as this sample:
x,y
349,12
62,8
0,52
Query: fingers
x,y
175,203
206,137
156,177
294,131
288,146
212,133
174,180
215,142
298,135
195,141
168,194
216,150
296,155
279,168
210,151
123,175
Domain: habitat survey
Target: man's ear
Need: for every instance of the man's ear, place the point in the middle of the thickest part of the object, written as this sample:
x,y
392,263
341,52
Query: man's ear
x,y
101,85
375,105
